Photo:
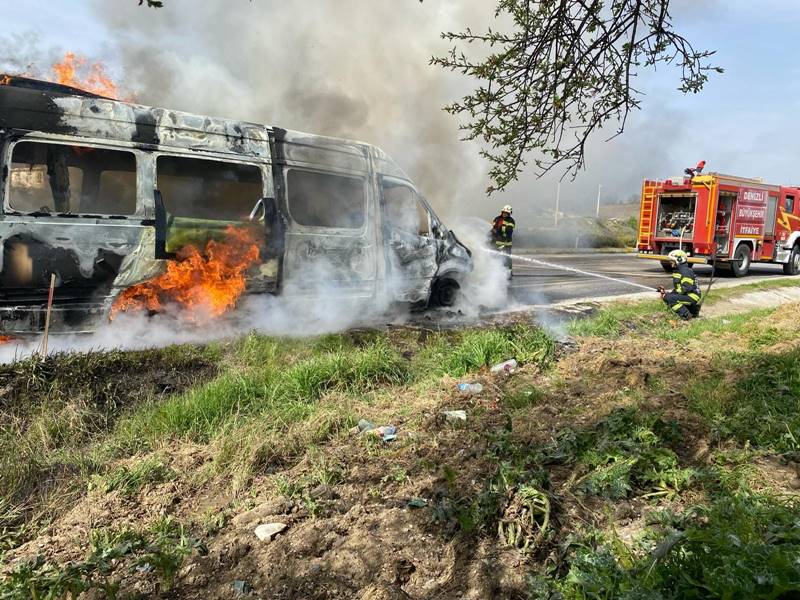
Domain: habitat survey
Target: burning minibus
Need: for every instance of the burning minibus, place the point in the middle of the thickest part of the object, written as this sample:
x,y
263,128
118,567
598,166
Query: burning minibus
x,y
109,206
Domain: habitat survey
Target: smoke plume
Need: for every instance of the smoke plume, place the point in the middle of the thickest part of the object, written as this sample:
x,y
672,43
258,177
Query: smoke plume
x,y
343,68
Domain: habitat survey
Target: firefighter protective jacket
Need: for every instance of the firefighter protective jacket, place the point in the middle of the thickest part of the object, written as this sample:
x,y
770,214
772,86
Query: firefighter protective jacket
x,y
503,231
684,282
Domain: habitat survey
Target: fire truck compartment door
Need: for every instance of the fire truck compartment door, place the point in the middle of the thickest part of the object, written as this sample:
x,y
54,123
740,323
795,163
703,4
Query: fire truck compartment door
x,y
772,207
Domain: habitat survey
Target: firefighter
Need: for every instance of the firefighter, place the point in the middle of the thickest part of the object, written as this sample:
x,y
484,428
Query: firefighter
x,y
503,232
684,299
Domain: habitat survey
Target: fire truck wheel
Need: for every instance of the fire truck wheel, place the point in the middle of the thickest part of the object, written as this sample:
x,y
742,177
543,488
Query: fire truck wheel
x,y
741,260
666,265
793,266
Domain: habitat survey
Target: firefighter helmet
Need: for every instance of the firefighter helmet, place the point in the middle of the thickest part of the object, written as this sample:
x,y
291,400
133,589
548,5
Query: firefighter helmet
x,y
507,208
678,256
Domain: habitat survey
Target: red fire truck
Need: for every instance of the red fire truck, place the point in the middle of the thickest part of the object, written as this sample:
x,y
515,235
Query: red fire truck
x,y
731,220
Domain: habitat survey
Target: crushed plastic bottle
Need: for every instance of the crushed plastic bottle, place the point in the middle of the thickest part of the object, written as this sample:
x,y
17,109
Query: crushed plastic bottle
x,y
454,416
507,367
470,388
386,432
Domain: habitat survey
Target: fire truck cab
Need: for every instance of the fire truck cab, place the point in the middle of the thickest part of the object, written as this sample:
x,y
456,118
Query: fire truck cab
x,y
731,221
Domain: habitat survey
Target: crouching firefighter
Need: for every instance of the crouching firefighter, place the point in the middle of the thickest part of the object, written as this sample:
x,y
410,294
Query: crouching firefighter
x,y
684,299
503,232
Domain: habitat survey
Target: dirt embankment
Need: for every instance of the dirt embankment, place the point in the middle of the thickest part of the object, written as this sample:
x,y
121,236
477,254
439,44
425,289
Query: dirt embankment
x,y
421,516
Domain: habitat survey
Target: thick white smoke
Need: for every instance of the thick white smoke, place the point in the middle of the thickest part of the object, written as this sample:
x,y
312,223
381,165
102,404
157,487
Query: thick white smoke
x,y
338,67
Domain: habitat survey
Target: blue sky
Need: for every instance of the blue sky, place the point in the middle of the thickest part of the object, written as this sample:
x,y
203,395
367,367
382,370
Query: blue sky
x,y
745,122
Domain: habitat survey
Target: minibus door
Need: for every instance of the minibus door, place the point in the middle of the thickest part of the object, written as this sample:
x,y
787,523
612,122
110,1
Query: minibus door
x,y
410,248
200,200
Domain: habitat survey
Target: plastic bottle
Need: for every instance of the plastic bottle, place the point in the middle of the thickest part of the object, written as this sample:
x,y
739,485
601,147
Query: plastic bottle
x,y
470,388
505,367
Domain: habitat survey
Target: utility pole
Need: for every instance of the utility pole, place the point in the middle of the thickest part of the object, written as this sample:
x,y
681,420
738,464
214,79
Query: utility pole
x,y
558,196
597,210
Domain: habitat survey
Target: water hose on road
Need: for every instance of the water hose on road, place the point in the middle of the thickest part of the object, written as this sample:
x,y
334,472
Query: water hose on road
x,y
571,269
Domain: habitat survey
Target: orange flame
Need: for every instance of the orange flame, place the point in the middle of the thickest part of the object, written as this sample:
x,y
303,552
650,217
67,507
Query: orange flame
x,y
76,71
5,80
205,284
6,339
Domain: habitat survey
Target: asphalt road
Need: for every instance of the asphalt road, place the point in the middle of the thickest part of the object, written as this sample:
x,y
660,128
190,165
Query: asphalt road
x,y
535,284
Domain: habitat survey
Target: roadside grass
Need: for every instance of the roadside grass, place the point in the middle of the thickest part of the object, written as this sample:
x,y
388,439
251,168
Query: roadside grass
x,y
130,479
717,536
155,553
759,406
54,411
725,293
734,536
258,402
615,319
738,546
653,319
708,528
281,393
477,349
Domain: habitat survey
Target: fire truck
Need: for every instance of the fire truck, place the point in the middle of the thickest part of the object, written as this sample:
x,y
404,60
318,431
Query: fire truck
x,y
721,219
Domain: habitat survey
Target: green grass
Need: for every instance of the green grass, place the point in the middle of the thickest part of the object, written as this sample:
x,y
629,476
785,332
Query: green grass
x,y
738,547
279,392
651,317
259,401
759,406
613,320
156,552
474,350
129,480
627,452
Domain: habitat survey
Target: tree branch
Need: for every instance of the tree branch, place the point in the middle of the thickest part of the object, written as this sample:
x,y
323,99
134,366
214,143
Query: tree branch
x,y
563,71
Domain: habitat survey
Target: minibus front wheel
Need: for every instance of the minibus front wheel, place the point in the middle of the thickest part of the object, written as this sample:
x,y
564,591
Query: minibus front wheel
x,y
445,292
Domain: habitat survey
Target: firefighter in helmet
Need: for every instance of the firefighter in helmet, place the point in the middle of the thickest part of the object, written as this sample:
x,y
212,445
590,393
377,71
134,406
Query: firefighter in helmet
x,y
684,299
503,232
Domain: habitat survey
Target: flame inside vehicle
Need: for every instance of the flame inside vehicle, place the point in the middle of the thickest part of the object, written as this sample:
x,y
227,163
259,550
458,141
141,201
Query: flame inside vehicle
x,y
76,71
5,80
204,284
5,339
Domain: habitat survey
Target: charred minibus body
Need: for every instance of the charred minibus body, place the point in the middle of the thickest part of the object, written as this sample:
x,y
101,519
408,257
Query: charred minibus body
x,y
102,193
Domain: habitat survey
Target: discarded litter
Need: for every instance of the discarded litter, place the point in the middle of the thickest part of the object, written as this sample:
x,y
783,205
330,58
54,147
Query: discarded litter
x,y
470,388
386,432
455,415
508,367
242,586
417,503
266,531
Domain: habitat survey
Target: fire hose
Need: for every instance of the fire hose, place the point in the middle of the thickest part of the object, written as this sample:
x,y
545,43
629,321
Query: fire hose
x,y
713,267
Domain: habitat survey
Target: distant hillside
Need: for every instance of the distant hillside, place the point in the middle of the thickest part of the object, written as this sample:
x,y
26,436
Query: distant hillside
x,y
619,211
